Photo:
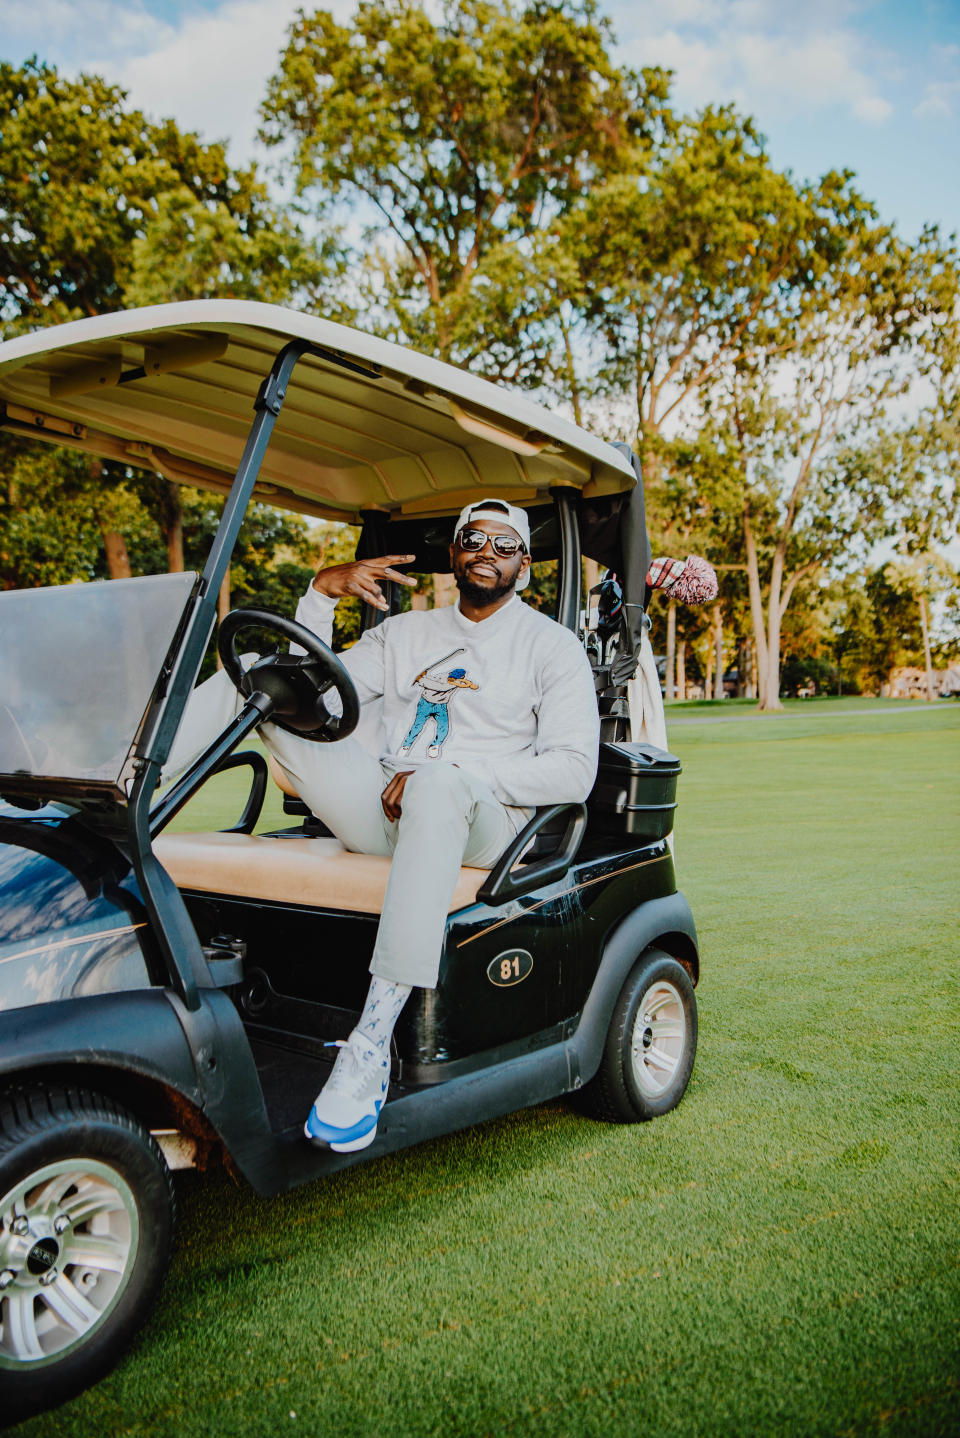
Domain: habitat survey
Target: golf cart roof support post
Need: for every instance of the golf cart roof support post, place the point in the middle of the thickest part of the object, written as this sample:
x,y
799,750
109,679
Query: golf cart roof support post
x,y
172,926
202,617
569,594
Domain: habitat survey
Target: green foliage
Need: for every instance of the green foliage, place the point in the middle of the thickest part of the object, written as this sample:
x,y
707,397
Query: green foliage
x,y
456,134
54,510
539,213
102,208
688,263
796,674
55,506
876,623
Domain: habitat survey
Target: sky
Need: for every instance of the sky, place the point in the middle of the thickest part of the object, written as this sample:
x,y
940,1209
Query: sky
x,y
869,85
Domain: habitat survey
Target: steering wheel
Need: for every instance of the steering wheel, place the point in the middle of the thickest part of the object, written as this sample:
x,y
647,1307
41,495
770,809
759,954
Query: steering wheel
x,y
296,683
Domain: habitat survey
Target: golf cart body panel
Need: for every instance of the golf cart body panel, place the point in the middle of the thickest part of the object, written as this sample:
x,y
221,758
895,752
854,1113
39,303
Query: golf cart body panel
x,y
97,1018
187,980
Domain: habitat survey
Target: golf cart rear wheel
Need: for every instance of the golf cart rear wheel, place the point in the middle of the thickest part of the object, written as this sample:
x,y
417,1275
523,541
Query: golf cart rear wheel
x,y
86,1225
651,1044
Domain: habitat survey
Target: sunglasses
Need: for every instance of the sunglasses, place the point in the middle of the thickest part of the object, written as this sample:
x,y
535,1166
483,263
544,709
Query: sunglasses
x,y
471,541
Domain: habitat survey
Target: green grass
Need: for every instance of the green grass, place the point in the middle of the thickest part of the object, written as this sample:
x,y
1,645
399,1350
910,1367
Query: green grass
x,y
781,1255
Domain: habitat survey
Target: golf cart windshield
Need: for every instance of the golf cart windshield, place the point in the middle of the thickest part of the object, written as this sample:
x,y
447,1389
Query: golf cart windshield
x,y
80,664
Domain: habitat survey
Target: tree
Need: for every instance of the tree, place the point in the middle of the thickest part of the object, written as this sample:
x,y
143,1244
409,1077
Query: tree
x,y
923,460
807,425
455,135
687,266
691,501
101,208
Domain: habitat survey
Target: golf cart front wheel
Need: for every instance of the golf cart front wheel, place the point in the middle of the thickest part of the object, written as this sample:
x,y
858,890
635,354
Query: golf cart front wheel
x,y
86,1223
651,1044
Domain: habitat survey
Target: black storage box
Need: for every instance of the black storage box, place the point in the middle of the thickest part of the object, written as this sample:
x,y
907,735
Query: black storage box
x,y
635,793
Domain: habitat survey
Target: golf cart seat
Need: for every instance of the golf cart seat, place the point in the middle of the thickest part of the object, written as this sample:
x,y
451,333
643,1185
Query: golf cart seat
x,y
294,868
317,872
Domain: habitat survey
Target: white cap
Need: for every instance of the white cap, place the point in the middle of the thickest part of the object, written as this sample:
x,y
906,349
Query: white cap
x,y
504,513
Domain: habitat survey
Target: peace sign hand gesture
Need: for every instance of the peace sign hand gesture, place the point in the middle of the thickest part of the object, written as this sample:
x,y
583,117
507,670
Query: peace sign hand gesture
x,y
363,577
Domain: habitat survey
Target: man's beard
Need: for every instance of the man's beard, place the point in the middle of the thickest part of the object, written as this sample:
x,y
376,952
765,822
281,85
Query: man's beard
x,y
482,594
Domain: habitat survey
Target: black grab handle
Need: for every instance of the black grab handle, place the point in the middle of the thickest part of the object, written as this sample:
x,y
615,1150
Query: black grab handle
x,y
503,884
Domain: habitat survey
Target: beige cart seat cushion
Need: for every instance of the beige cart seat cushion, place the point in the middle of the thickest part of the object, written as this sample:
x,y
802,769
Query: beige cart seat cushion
x,y
320,873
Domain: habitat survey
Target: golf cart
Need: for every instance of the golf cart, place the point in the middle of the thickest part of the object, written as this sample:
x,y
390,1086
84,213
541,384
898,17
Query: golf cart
x,y
169,998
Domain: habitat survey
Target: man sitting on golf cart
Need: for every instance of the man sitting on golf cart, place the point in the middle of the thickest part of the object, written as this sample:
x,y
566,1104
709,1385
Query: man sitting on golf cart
x,y
487,710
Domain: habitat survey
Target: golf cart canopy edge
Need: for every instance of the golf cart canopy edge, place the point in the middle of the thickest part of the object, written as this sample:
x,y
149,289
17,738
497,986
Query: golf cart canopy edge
x,y
367,425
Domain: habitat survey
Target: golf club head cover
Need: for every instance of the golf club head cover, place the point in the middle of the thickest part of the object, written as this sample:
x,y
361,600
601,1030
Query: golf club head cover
x,y
689,581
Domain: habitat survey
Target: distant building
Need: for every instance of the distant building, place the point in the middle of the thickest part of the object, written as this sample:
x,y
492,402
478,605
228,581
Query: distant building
x,y
911,683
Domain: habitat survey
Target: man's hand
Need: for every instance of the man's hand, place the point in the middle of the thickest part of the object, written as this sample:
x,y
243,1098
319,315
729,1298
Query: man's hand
x,y
363,578
393,794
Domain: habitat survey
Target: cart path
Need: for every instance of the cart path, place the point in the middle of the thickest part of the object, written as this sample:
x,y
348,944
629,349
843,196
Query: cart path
x,y
918,708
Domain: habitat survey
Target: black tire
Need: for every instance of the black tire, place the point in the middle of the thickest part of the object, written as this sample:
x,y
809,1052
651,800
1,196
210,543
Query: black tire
x,y
650,1047
85,1196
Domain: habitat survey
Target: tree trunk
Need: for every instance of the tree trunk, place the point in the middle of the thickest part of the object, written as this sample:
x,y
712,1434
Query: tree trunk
x,y
708,674
118,560
223,605
756,607
753,681
770,669
669,686
591,578
444,590
114,544
174,529
718,637
925,629
682,669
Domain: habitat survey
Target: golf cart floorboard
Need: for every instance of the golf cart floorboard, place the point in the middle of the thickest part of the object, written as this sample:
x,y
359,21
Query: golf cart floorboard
x,y
291,1079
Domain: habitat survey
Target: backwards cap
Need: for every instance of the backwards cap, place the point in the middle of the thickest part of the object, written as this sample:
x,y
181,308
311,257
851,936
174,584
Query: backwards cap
x,y
504,513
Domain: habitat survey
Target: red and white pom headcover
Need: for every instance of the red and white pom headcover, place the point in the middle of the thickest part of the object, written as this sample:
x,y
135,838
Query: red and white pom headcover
x,y
689,581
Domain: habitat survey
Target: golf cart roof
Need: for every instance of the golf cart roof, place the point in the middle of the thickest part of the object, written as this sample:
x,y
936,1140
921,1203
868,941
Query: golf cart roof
x,y
367,425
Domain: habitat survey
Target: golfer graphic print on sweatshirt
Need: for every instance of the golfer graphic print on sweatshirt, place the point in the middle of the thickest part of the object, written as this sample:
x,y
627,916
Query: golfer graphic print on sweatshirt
x,y
510,698
438,682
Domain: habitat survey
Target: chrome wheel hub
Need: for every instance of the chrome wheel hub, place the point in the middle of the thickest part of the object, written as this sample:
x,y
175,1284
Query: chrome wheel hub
x,y
659,1038
69,1234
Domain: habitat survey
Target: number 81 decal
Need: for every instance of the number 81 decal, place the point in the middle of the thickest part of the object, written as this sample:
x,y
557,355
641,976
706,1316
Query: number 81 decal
x,y
510,967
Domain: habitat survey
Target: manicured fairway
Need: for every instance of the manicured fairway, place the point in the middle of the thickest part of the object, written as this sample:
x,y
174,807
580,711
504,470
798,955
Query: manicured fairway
x,y
781,1255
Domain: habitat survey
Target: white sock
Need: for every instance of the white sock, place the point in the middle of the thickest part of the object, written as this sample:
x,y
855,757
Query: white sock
x,y
385,1000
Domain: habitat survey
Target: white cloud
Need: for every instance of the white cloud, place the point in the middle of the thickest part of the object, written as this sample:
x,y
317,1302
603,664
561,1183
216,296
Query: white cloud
x,y
939,100
61,28
702,71
768,59
941,96
819,72
211,73
873,109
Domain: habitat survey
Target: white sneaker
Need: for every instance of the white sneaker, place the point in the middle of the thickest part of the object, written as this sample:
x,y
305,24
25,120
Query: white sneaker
x,y
345,1113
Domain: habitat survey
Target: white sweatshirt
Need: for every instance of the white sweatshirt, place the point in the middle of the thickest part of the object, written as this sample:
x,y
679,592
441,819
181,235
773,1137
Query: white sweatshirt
x,y
511,698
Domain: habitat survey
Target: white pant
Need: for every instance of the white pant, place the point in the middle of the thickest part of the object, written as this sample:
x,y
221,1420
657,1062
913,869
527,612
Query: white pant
x,y
448,818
